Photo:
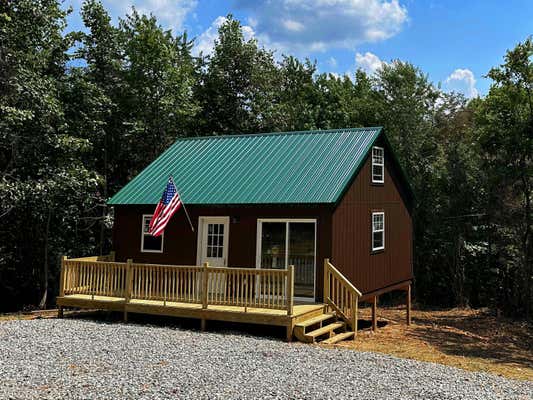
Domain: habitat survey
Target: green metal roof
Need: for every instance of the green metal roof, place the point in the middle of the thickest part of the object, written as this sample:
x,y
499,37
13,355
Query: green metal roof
x,y
270,168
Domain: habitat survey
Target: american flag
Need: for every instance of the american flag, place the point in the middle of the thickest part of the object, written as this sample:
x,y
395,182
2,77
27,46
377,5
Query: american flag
x,y
170,203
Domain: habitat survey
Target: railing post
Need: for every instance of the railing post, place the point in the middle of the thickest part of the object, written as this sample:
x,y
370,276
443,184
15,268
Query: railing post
x,y
326,280
111,256
129,280
128,284
205,278
62,277
290,290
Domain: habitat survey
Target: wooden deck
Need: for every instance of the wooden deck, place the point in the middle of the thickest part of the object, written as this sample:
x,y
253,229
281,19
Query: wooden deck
x,y
246,295
253,315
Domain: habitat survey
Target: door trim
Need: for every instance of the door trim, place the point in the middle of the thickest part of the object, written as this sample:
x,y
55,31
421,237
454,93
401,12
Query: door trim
x,y
286,220
199,241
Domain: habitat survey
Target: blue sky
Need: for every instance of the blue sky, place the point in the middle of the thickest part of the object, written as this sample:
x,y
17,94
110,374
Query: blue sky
x,y
454,42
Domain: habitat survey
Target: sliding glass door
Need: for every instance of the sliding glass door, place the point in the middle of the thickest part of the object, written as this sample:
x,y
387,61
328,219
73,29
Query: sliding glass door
x,y
289,242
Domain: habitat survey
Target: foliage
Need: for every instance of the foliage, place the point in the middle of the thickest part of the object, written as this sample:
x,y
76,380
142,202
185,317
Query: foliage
x,y
81,113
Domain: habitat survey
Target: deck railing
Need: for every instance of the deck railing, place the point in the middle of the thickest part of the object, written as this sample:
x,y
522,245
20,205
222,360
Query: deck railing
x,y
205,285
341,295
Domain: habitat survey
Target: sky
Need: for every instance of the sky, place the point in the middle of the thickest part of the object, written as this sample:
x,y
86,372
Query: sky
x,y
454,42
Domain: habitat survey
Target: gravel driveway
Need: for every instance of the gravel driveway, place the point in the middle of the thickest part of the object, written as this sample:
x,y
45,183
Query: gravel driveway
x,y
85,359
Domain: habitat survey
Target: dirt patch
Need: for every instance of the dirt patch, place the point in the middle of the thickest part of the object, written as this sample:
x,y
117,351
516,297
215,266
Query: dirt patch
x,y
474,340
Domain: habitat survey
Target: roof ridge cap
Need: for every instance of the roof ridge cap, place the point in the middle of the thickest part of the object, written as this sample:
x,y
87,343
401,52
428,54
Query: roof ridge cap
x,y
240,135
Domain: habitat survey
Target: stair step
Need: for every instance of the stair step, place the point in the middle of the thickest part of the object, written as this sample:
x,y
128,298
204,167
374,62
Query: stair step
x,y
315,320
338,337
324,329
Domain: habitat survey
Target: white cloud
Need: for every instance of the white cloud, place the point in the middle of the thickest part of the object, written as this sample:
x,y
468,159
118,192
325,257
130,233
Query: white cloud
x,y
304,26
171,14
206,41
368,62
462,80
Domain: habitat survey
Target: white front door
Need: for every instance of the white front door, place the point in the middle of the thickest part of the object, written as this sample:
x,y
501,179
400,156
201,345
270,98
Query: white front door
x,y
213,235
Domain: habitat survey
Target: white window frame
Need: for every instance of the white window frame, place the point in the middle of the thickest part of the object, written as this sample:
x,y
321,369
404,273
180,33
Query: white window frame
x,y
287,241
382,247
143,234
375,164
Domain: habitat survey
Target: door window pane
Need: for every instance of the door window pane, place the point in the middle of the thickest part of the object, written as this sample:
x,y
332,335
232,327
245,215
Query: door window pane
x,y
215,240
302,256
273,245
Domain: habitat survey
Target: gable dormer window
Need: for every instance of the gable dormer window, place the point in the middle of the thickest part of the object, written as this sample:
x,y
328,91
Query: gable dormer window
x,y
378,165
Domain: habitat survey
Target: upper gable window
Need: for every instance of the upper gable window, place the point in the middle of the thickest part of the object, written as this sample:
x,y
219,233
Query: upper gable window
x,y
378,165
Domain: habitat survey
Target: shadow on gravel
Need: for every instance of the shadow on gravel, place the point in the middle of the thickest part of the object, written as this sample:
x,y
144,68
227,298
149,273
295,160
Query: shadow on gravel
x,y
220,327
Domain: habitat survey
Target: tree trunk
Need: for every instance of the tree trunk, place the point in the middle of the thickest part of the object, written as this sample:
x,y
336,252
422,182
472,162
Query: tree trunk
x,y
44,298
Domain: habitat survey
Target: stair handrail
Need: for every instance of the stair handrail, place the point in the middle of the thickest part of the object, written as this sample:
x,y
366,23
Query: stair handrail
x,y
337,303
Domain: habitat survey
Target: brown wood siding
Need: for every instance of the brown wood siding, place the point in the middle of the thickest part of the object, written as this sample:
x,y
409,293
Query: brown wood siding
x,y
351,231
180,243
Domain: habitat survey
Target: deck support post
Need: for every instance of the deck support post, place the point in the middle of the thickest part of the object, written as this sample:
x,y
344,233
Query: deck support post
x,y
374,313
408,305
129,282
203,324
60,312
290,329
355,315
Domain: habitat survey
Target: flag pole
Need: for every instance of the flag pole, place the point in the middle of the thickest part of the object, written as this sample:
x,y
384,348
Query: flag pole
x,y
187,214
184,208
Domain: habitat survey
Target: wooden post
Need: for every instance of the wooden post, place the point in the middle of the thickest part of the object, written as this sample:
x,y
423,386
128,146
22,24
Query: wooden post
x,y
203,323
326,280
129,281
355,314
374,313
290,291
408,314
205,277
290,329
111,256
62,277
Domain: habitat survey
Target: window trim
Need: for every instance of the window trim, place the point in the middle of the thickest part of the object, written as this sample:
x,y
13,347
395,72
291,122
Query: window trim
x,y
382,165
143,234
382,247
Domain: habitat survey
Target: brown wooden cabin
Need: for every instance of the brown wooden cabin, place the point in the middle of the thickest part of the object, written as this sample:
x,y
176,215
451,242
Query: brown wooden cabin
x,y
268,201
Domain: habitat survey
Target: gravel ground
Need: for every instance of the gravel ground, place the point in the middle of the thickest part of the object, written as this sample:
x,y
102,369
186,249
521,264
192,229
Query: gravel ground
x,y
86,359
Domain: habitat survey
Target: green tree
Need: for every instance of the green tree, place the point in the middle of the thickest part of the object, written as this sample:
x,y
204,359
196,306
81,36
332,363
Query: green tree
x,y
504,121
236,87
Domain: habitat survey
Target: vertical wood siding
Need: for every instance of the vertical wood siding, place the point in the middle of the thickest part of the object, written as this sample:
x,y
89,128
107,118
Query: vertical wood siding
x,y
180,243
352,230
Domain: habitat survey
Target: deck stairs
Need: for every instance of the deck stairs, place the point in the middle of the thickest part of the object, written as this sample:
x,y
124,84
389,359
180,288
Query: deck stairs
x,y
325,328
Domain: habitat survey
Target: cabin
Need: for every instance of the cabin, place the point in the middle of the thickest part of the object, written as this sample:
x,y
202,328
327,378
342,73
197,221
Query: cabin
x,y
291,228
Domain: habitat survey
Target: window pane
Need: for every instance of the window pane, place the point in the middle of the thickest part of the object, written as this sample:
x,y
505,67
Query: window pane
x,y
273,245
146,224
152,243
302,256
378,240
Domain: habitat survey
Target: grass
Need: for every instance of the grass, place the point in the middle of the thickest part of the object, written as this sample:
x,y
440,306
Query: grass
x,y
474,340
